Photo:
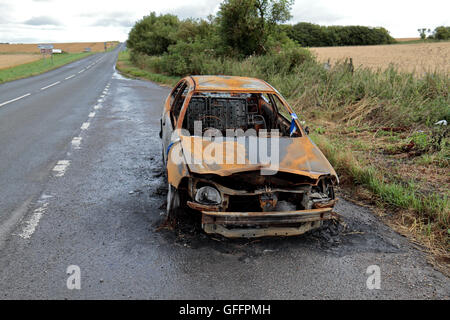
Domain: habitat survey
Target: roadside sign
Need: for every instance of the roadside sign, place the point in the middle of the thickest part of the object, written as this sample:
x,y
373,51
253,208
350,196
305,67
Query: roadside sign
x,y
46,49
45,46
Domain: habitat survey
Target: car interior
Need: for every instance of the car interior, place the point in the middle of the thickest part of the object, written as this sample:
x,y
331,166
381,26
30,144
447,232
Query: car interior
x,y
250,112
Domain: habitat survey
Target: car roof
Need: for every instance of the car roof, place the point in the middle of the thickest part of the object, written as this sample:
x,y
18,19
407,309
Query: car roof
x,y
230,83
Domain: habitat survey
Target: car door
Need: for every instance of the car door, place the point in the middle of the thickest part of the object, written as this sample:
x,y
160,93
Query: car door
x,y
170,116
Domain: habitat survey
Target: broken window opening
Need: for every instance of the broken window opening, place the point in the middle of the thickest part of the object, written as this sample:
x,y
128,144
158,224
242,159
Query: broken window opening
x,y
225,111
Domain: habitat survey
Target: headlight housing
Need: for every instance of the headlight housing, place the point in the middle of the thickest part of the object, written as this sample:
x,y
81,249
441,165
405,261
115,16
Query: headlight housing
x,y
208,195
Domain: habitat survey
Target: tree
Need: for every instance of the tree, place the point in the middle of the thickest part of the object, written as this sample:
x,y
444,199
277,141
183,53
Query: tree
x,y
312,35
441,33
152,35
309,35
422,32
245,25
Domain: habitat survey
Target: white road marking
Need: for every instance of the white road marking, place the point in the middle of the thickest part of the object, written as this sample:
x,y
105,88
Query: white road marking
x,y
100,100
82,70
76,142
85,125
61,167
97,106
12,100
9,224
51,85
29,229
102,96
91,115
70,77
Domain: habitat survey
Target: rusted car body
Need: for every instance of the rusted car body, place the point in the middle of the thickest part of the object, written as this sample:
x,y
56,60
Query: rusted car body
x,y
245,195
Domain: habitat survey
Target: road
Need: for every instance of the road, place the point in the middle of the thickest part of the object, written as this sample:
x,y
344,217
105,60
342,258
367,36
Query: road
x,y
81,184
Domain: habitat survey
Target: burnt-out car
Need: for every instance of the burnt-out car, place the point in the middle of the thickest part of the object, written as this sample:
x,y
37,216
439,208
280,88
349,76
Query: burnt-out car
x,y
235,151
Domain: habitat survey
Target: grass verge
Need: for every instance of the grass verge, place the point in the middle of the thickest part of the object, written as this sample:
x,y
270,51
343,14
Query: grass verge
x,y
400,199
40,66
125,66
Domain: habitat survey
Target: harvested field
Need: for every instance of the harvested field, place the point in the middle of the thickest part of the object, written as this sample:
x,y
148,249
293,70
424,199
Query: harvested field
x,y
406,39
418,57
12,60
72,47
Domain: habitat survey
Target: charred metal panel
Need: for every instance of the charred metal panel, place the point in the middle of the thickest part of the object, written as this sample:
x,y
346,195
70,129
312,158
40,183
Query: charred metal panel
x,y
296,155
230,83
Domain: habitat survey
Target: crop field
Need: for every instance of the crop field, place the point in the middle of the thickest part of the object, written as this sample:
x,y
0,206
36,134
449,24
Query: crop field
x,y
406,39
72,47
415,57
12,60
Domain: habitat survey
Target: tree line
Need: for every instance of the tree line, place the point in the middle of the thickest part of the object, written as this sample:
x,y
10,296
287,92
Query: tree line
x,y
439,33
240,29
312,35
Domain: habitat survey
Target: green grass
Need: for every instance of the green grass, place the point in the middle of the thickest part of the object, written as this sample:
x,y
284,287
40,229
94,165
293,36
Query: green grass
x,y
419,41
40,66
432,208
125,66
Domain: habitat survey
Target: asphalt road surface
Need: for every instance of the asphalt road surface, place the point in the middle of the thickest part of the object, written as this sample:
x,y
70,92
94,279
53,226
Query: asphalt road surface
x,y
81,185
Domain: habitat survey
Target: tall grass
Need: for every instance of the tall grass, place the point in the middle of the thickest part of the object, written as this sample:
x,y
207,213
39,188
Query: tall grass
x,y
432,208
125,66
386,97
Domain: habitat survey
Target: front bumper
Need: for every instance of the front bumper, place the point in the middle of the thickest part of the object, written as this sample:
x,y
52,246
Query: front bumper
x,y
260,224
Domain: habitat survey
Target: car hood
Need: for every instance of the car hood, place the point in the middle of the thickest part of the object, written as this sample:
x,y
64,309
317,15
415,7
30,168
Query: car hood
x,y
297,155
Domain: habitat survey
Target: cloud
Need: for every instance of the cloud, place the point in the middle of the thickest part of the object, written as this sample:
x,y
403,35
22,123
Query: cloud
x,y
112,22
110,19
315,12
4,16
43,21
199,9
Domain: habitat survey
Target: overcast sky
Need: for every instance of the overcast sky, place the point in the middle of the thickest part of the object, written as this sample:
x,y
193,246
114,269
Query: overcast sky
x,y
30,21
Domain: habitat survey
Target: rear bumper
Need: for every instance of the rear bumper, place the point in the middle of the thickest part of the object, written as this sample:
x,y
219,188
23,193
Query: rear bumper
x,y
260,224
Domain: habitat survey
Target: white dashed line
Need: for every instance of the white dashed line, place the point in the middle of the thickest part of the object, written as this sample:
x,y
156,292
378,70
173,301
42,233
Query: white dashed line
x,y
91,115
82,70
76,142
100,100
69,77
97,106
51,85
85,125
29,229
12,100
61,167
